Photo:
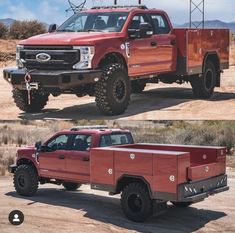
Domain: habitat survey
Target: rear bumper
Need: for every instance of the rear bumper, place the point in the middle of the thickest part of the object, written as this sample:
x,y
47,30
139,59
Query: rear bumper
x,y
195,191
52,79
199,190
12,168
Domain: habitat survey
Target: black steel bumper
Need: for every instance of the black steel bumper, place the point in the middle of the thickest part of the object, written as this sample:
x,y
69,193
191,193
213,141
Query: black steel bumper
x,y
12,168
199,190
195,191
52,79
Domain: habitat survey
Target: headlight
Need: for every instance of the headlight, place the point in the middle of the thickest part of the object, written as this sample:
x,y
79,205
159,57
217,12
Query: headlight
x,y
18,60
86,55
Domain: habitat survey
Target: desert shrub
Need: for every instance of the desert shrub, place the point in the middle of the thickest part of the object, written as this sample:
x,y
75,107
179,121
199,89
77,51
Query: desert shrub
x,y
26,29
3,31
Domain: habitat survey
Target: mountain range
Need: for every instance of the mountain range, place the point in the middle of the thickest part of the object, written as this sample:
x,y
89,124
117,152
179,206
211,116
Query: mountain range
x,y
208,24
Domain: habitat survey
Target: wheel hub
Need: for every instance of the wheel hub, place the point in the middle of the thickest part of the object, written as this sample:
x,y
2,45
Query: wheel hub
x,y
135,203
209,79
21,181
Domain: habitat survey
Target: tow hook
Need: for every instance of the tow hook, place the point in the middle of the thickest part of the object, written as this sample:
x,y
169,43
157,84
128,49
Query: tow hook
x,y
29,86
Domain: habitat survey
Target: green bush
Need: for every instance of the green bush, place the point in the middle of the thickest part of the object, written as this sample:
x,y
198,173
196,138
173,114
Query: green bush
x,y
3,31
26,29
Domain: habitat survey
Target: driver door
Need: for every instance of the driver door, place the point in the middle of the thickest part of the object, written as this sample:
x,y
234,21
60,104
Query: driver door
x,y
52,163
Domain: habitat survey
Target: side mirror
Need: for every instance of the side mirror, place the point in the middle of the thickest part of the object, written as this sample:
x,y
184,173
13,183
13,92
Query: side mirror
x,y
146,30
52,28
38,145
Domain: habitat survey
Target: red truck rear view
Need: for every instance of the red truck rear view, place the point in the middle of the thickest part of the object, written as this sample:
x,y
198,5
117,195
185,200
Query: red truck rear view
x,y
107,159
147,172
111,52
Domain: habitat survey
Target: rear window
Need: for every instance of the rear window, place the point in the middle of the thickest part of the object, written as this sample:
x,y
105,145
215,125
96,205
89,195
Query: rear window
x,y
160,24
116,139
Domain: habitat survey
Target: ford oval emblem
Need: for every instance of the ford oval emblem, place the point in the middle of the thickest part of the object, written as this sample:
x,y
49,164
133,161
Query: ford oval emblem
x,y
43,57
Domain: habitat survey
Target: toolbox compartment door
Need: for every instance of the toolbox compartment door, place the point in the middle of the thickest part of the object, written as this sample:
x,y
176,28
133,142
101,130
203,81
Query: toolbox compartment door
x,y
204,171
102,170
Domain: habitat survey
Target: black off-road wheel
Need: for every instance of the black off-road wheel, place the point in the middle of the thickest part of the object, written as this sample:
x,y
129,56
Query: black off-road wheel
x,y
182,204
71,186
113,90
203,87
136,202
138,86
26,180
38,100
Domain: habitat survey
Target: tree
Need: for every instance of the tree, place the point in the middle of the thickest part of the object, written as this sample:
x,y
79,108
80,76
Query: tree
x,y
26,29
3,30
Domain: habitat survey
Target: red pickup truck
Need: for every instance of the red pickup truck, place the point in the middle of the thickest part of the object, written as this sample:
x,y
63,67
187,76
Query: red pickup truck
x,y
144,174
111,52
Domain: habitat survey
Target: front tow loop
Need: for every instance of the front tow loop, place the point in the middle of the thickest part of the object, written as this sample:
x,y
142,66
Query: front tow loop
x,y
28,79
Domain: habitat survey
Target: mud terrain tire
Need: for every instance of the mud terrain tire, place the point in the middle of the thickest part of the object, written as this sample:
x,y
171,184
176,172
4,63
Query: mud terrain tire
x,y
38,100
203,87
26,180
136,202
113,90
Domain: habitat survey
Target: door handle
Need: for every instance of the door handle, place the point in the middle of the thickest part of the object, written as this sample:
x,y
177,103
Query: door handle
x,y
153,43
61,157
86,159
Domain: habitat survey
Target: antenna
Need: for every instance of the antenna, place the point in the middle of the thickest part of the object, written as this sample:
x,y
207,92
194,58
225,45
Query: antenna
x,y
75,8
197,7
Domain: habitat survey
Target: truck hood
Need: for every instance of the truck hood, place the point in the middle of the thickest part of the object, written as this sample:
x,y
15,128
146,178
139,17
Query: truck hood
x,y
70,38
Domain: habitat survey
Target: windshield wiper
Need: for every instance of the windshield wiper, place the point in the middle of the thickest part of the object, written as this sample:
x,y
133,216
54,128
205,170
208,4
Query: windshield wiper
x,y
94,30
65,30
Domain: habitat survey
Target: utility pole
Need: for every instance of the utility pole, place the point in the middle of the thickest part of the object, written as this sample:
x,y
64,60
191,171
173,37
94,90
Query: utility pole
x,y
197,7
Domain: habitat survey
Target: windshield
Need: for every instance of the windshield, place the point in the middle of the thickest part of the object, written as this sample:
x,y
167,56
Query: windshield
x,y
88,22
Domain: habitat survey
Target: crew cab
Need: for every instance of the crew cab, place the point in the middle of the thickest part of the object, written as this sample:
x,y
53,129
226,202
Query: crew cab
x,y
111,52
146,175
64,158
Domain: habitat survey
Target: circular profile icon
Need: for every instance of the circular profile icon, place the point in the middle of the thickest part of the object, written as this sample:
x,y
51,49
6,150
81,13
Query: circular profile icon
x,y
16,217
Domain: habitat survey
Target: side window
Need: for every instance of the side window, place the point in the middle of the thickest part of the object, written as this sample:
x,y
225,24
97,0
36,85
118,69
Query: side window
x,y
116,139
81,143
119,139
137,20
59,143
105,141
160,24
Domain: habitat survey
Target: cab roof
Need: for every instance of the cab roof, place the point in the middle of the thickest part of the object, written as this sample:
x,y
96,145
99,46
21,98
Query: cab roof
x,y
115,8
95,131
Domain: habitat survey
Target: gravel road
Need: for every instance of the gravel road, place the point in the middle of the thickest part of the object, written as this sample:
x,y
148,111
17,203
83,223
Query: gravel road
x,y
158,102
56,210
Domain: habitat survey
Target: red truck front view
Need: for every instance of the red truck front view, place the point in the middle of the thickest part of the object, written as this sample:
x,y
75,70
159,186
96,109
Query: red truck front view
x,y
111,52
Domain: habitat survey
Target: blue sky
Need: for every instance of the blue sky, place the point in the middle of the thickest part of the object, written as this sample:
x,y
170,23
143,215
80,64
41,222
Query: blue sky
x,y
53,11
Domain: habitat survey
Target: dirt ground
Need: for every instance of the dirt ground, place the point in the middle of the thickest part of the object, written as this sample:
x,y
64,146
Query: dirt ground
x,y
158,102
55,210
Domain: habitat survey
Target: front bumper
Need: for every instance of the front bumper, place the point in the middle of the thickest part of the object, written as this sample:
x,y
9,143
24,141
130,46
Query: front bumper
x,y
52,79
12,168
